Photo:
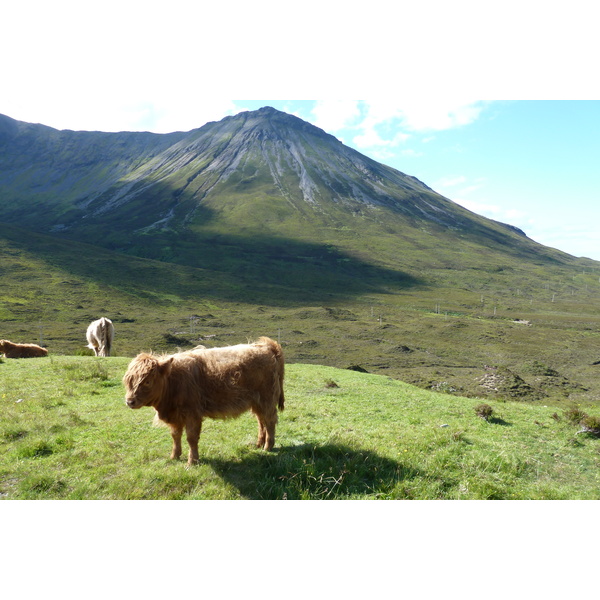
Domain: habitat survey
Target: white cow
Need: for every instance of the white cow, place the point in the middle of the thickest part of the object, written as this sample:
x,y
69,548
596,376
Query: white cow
x,y
100,335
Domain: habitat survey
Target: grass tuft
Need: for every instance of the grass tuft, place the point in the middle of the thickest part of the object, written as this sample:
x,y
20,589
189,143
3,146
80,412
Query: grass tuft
x,y
575,415
484,411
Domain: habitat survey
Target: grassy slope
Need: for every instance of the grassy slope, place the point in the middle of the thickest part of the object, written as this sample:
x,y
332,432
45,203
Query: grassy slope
x,y
65,433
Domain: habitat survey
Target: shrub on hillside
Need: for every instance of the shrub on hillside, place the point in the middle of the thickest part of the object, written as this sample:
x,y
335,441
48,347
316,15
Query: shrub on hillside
x,y
484,411
538,368
575,415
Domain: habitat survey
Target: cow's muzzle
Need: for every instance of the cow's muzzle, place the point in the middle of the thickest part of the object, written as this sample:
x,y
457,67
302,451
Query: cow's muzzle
x,y
131,402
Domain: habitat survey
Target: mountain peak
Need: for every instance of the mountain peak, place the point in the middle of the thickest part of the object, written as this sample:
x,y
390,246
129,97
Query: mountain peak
x,y
268,117
257,173
270,110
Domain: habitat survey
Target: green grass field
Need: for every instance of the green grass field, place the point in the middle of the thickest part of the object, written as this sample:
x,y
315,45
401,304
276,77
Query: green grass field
x,y
65,433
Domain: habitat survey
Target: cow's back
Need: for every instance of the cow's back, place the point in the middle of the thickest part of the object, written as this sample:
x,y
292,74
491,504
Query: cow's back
x,y
265,354
232,375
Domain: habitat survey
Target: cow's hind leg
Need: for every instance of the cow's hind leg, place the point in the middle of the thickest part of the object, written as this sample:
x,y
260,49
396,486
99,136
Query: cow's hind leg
x,y
176,433
192,432
266,429
270,437
262,432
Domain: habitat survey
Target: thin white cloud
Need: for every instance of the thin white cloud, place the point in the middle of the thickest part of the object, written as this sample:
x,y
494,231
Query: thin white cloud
x,y
377,124
577,240
334,115
423,115
435,115
503,214
451,181
470,189
493,211
370,137
514,214
460,190
410,153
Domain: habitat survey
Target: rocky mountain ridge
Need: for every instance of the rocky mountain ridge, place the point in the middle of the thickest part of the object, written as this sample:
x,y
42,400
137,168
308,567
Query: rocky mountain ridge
x,y
255,174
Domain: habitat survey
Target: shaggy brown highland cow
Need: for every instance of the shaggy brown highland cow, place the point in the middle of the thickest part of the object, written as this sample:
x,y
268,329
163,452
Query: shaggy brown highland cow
x,y
219,383
11,350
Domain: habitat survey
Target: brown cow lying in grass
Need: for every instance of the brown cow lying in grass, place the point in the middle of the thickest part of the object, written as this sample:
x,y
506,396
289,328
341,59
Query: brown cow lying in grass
x,y
219,383
11,350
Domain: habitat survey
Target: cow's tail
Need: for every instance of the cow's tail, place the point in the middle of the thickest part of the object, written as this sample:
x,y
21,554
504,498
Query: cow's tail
x,y
102,337
106,337
277,351
281,399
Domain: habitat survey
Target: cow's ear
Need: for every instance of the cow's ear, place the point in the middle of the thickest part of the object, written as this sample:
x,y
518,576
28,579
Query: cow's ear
x,y
165,366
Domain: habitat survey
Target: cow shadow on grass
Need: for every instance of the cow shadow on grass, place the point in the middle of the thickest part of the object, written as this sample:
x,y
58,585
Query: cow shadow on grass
x,y
312,472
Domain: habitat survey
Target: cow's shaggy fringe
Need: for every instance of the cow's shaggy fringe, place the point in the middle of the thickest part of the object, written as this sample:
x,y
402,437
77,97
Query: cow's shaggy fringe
x,y
11,350
219,383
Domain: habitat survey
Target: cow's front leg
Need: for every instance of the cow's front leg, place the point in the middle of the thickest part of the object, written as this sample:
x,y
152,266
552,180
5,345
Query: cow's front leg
x,y
192,432
176,432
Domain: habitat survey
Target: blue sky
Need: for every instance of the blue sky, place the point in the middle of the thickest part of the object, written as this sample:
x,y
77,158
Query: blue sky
x,y
498,113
